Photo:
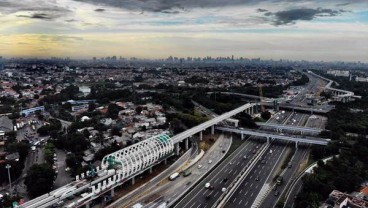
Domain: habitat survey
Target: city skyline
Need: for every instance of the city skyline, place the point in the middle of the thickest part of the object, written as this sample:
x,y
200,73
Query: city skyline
x,y
301,30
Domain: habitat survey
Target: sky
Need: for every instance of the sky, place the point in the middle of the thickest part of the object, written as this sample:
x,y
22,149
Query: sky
x,y
328,30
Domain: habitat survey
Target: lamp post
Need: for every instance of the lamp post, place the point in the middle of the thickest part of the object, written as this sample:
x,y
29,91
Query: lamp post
x,y
8,167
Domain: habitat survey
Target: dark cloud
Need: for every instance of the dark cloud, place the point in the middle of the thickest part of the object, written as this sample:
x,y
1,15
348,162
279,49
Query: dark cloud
x,y
37,9
99,10
166,5
43,16
342,4
70,20
262,10
293,15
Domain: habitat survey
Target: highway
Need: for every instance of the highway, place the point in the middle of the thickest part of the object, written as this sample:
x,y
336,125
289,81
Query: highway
x,y
252,192
271,199
229,169
161,190
250,188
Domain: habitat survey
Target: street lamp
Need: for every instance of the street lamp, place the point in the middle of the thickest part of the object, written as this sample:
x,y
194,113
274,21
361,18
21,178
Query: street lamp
x,y
8,167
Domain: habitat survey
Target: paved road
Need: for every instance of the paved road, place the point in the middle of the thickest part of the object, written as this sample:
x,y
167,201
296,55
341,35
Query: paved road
x,y
299,156
229,169
168,191
148,190
247,192
63,177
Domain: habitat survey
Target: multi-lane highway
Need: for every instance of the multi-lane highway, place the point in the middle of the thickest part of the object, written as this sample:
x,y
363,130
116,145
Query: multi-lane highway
x,y
261,174
257,185
288,173
220,177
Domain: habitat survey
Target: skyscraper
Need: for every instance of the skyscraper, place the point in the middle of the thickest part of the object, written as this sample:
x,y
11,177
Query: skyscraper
x,y
1,63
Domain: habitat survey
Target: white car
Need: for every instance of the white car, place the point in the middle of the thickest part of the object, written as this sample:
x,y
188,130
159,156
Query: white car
x,y
199,166
210,161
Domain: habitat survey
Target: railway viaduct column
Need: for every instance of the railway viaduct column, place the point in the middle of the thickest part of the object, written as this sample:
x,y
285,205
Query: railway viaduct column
x,y
177,148
186,143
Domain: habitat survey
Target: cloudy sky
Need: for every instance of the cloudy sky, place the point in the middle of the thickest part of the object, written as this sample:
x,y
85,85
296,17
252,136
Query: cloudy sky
x,y
271,29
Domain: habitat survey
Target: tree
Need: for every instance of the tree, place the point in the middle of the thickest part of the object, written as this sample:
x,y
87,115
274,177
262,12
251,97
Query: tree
x,y
138,109
91,106
113,110
266,115
40,179
49,151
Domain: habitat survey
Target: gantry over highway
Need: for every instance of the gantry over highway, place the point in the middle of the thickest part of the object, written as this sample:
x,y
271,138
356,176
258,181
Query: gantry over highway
x,y
121,166
268,136
279,127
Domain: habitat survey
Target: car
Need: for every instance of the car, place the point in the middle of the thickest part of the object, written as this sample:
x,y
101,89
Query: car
x,y
211,187
257,178
277,193
67,169
275,188
230,163
223,189
210,161
199,166
254,151
223,151
224,180
263,161
244,157
290,165
208,196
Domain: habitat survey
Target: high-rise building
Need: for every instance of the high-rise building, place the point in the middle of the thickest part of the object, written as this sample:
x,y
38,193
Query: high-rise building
x,y
1,63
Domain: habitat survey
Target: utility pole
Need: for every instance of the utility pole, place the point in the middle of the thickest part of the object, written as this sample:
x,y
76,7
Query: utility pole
x,y
8,167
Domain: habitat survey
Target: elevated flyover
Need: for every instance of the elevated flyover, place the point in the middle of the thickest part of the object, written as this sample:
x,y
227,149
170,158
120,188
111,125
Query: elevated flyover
x,y
307,140
211,123
290,127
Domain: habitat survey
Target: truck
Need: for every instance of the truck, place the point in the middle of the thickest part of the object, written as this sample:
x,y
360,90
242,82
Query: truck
x,y
187,172
279,180
174,176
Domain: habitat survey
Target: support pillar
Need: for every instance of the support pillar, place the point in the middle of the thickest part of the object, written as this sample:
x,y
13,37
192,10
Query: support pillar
x,y
212,130
165,161
150,170
186,143
133,180
88,205
200,136
236,123
268,139
112,192
177,149
296,145
242,136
